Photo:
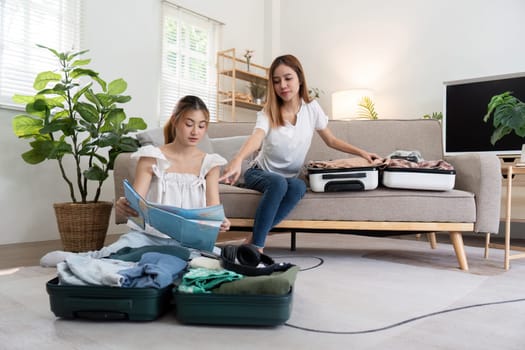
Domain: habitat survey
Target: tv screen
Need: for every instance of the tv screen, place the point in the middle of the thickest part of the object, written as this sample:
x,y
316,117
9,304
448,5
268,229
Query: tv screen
x,y
465,105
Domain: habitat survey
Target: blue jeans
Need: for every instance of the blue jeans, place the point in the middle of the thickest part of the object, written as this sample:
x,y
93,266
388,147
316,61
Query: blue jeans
x,y
279,196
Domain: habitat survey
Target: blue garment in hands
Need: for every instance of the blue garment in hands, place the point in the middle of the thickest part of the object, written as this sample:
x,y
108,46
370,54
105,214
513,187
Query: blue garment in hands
x,y
154,270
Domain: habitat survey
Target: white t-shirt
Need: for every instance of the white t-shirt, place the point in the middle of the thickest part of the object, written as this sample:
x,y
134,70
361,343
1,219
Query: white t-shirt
x,y
284,148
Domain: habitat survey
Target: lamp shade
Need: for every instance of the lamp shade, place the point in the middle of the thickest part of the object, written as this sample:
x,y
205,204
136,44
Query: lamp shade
x,y
345,104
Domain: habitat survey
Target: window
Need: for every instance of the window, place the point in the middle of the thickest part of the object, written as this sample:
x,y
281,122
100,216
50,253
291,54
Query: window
x,y
25,23
188,59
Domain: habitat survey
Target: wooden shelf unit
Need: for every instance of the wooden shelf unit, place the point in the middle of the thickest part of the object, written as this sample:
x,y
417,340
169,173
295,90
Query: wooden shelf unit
x,y
232,74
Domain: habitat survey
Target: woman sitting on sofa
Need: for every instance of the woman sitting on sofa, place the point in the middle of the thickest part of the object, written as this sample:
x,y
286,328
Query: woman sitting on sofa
x,y
283,134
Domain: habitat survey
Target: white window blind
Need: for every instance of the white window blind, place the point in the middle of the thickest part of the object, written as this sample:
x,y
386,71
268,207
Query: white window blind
x,y
25,23
189,46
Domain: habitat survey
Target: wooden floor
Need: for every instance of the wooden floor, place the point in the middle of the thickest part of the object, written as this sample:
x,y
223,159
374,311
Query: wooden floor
x,y
28,254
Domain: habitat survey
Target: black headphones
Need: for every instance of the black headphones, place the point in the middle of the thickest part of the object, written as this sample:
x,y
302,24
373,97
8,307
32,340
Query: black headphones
x,y
249,259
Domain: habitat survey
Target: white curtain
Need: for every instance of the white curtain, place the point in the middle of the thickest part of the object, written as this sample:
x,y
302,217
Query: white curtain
x,y
189,46
25,23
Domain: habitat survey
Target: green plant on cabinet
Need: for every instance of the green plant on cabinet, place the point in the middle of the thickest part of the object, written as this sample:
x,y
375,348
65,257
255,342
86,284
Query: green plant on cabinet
x,y
508,114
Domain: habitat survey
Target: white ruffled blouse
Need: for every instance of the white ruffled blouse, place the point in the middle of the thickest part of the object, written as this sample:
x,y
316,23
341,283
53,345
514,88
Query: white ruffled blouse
x,y
186,191
182,190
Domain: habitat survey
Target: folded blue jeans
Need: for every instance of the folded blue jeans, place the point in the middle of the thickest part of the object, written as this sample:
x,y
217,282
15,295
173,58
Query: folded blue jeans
x,y
279,196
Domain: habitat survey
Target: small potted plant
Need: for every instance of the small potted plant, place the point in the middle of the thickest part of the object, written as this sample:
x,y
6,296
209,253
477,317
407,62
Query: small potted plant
x,y
75,119
258,91
315,93
508,116
367,109
434,115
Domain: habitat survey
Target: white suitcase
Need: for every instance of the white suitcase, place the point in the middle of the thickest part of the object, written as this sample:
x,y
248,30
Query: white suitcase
x,y
419,179
343,179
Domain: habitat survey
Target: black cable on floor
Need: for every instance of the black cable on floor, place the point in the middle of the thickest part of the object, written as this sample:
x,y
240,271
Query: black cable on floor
x,y
321,261
394,325
405,321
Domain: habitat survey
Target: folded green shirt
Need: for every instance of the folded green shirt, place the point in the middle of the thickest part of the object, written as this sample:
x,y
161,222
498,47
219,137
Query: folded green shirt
x,y
202,280
277,283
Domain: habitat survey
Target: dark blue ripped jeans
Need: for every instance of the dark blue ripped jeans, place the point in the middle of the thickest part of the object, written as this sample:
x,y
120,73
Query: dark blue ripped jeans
x,y
279,196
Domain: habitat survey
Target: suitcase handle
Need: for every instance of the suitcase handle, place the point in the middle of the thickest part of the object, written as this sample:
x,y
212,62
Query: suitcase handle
x,y
101,315
338,186
344,176
101,308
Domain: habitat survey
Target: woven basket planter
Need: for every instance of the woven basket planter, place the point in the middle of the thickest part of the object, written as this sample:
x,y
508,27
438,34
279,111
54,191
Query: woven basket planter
x,y
83,227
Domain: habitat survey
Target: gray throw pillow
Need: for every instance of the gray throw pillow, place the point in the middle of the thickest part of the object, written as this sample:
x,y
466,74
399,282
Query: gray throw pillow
x,y
228,148
153,137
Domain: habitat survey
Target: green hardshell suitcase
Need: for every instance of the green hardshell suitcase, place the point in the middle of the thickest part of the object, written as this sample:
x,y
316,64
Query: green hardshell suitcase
x,y
108,303
233,309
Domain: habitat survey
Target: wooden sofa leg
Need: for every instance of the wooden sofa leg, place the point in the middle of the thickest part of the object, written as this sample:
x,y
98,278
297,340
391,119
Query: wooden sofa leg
x,y
293,241
459,248
487,245
431,236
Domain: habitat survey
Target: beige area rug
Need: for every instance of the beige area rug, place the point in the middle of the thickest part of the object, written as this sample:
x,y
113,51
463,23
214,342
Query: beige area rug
x,y
352,293
403,250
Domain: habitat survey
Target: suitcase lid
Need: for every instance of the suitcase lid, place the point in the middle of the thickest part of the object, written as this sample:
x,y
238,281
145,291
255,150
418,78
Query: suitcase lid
x,y
340,170
422,170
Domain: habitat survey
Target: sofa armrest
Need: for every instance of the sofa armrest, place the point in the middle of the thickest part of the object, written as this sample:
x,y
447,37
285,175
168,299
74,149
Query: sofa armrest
x,y
124,169
481,175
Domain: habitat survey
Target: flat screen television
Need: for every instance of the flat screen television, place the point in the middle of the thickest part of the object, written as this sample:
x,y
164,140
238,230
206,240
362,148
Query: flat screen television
x,y
465,105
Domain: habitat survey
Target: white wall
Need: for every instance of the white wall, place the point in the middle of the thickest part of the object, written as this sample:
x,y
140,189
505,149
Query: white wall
x,y
124,39
403,50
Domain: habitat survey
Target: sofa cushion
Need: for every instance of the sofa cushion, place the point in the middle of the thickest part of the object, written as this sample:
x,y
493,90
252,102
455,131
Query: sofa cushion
x,y
382,204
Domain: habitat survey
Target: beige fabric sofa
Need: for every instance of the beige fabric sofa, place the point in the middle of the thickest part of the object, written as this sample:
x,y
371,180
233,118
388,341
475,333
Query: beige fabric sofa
x,y
472,206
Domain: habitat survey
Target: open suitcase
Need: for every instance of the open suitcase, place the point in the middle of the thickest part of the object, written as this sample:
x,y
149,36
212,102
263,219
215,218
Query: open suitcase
x,y
419,178
262,297
108,303
233,309
343,179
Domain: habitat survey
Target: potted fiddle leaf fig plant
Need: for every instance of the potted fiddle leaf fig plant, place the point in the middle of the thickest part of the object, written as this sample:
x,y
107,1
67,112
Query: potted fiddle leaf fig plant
x,y
75,119
508,116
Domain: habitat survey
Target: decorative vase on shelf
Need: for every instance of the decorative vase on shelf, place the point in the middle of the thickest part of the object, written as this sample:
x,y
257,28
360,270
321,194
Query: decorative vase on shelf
x,y
248,55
